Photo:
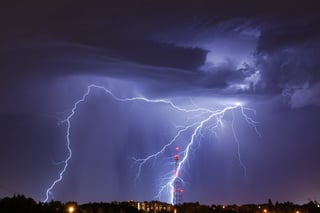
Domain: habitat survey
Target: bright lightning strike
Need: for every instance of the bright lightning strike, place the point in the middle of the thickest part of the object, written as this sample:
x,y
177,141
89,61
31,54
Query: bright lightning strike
x,y
205,118
213,118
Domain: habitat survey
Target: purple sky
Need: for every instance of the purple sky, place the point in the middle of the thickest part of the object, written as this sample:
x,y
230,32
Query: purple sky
x,y
263,54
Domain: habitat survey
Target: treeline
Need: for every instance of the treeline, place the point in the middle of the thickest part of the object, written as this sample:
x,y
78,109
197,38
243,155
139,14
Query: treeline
x,y
22,204
287,207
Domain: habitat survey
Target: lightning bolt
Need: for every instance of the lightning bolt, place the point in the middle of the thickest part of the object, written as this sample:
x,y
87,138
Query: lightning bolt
x,y
214,119
201,119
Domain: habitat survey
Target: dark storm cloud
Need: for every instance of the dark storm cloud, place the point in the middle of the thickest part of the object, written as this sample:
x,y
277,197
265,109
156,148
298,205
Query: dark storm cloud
x,y
49,55
163,34
287,56
221,76
106,33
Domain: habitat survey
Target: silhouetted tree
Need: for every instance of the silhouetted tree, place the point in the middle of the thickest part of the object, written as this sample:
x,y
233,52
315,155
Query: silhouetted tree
x,y
18,203
312,207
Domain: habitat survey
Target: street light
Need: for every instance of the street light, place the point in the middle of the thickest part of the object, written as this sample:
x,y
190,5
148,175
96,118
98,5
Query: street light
x,y
71,209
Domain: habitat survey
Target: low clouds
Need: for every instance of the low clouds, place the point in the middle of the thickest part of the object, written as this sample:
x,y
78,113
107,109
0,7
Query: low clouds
x,y
303,95
229,47
287,56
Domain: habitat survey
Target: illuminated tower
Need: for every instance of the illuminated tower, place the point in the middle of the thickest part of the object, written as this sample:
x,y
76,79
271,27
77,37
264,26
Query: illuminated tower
x,y
177,190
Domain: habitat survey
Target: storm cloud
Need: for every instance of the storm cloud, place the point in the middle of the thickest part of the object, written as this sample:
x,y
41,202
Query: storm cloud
x,y
263,54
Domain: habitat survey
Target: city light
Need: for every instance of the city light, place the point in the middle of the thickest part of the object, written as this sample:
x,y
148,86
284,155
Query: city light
x,y
71,209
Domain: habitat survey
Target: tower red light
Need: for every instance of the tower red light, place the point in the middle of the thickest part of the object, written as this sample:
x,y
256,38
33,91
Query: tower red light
x,y
177,190
176,157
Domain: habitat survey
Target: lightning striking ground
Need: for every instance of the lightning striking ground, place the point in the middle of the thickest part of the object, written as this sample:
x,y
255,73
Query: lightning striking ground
x,y
205,118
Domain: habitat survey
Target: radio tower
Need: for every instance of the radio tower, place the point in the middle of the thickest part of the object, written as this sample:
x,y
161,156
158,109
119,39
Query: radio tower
x,y
177,190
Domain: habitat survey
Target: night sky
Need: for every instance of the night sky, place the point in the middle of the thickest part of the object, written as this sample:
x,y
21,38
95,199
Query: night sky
x,y
263,54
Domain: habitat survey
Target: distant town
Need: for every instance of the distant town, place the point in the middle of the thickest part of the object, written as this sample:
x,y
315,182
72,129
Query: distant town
x,y
20,203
